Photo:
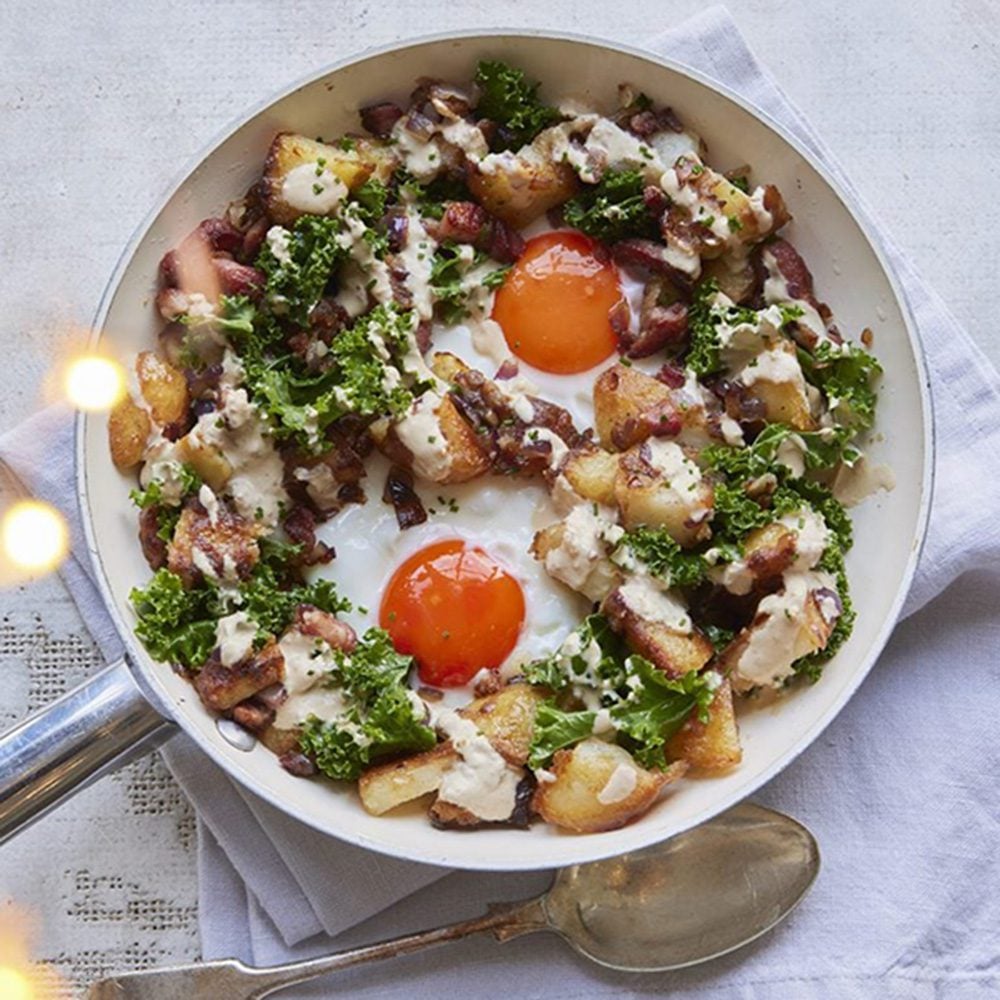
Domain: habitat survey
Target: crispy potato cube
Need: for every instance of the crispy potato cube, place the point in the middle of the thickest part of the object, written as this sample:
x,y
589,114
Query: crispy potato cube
x,y
797,631
446,365
448,816
598,786
591,472
673,652
221,687
518,189
768,552
279,741
564,561
711,747
645,494
224,548
386,786
163,387
466,455
507,719
785,402
211,465
366,158
628,406
128,431
735,275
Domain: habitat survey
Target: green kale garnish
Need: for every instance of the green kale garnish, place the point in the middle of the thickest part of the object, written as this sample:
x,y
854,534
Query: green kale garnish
x,y
167,514
662,556
613,209
380,716
371,199
645,707
451,292
176,625
704,355
508,99
294,286
846,374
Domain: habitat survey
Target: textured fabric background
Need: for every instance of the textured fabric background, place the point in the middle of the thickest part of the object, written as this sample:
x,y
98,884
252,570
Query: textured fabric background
x,y
99,104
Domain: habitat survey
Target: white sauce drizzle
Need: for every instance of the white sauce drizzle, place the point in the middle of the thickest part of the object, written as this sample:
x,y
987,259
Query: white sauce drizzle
x,y
312,189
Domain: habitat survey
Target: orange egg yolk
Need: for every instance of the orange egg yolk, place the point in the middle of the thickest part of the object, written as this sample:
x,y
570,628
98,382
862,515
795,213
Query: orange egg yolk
x,y
453,608
554,305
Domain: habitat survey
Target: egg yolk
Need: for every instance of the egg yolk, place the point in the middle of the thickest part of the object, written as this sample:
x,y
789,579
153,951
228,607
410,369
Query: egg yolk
x,y
554,305
453,608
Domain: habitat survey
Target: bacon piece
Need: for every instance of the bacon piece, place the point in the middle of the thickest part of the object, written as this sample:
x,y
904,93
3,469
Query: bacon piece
x,y
310,620
238,279
400,493
154,548
467,222
378,119
300,526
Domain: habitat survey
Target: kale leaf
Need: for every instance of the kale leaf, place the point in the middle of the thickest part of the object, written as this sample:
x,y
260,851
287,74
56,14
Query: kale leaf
x,y
613,209
508,99
704,355
846,374
449,271
663,557
380,716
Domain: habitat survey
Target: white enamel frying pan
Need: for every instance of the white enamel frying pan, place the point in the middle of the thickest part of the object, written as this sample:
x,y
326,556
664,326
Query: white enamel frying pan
x,y
136,703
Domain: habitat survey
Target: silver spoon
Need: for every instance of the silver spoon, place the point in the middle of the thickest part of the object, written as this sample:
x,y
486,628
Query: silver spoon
x,y
690,899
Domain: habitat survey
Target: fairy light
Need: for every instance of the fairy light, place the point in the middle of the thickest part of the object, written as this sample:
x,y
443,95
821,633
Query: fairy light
x,y
94,382
14,984
33,538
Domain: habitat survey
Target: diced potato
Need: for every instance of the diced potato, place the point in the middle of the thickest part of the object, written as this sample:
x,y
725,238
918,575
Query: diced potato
x,y
507,719
225,545
518,189
448,816
163,387
591,472
628,404
598,786
734,273
128,431
279,741
603,575
737,205
386,786
221,687
645,496
768,552
784,402
710,747
669,650
446,365
364,159
467,457
211,465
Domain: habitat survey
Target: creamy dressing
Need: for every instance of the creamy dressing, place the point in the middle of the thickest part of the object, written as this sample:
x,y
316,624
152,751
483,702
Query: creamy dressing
x,y
277,241
420,432
481,780
163,465
234,637
643,597
811,537
589,533
559,447
312,189
857,482
307,660
255,484
417,257
776,365
619,786
682,476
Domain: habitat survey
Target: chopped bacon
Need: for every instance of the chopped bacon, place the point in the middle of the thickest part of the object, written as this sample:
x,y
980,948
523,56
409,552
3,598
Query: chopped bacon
x,y
154,548
659,327
399,492
252,715
467,222
660,420
650,256
378,119
238,279
336,634
300,526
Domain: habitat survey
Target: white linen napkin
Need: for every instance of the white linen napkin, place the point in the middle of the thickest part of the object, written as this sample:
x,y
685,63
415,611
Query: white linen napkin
x,y
900,790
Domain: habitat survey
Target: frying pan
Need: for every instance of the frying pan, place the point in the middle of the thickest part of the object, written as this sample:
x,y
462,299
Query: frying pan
x,y
135,703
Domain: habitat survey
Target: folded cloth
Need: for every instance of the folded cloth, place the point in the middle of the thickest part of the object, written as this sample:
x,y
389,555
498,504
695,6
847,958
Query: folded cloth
x,y
900,790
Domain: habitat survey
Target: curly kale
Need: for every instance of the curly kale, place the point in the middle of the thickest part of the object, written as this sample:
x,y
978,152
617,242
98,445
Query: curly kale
x,y
847,374
380,716
644,706
613,209
704,356
662,556
449,272
507,98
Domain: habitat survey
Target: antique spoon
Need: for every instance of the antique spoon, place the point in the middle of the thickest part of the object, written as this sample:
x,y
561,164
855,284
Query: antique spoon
x,y
690,899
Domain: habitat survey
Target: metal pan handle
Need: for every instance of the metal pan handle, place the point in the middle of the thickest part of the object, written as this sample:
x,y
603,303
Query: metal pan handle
x,y
93,729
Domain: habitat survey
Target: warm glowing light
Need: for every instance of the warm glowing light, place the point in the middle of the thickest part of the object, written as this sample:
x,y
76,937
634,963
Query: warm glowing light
x,y
14,985
33,537
94,382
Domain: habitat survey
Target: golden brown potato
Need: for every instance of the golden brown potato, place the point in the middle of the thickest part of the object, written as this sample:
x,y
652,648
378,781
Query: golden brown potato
x,y
601,573
221,687
163,387
784,402
223,547
591,472
279,741
466,455
797,631
386,786
448,816
768,552
645,495
128,430
211,465
734,273
628,406
507,719
520,189
598,786
673,652
446,365
710,747
366,158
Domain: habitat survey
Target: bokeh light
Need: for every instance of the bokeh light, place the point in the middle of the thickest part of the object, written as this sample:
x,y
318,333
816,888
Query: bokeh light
x,y
33,538
94,382
14,984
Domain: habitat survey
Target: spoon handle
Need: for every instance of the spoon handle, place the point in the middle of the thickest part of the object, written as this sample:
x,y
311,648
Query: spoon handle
x,y
505,920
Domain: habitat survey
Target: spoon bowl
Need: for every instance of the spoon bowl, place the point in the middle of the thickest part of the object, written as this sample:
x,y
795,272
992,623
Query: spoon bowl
x,y
687,900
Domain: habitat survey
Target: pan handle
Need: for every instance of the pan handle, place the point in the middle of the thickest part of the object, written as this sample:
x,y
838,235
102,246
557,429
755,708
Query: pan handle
x,y
93,729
